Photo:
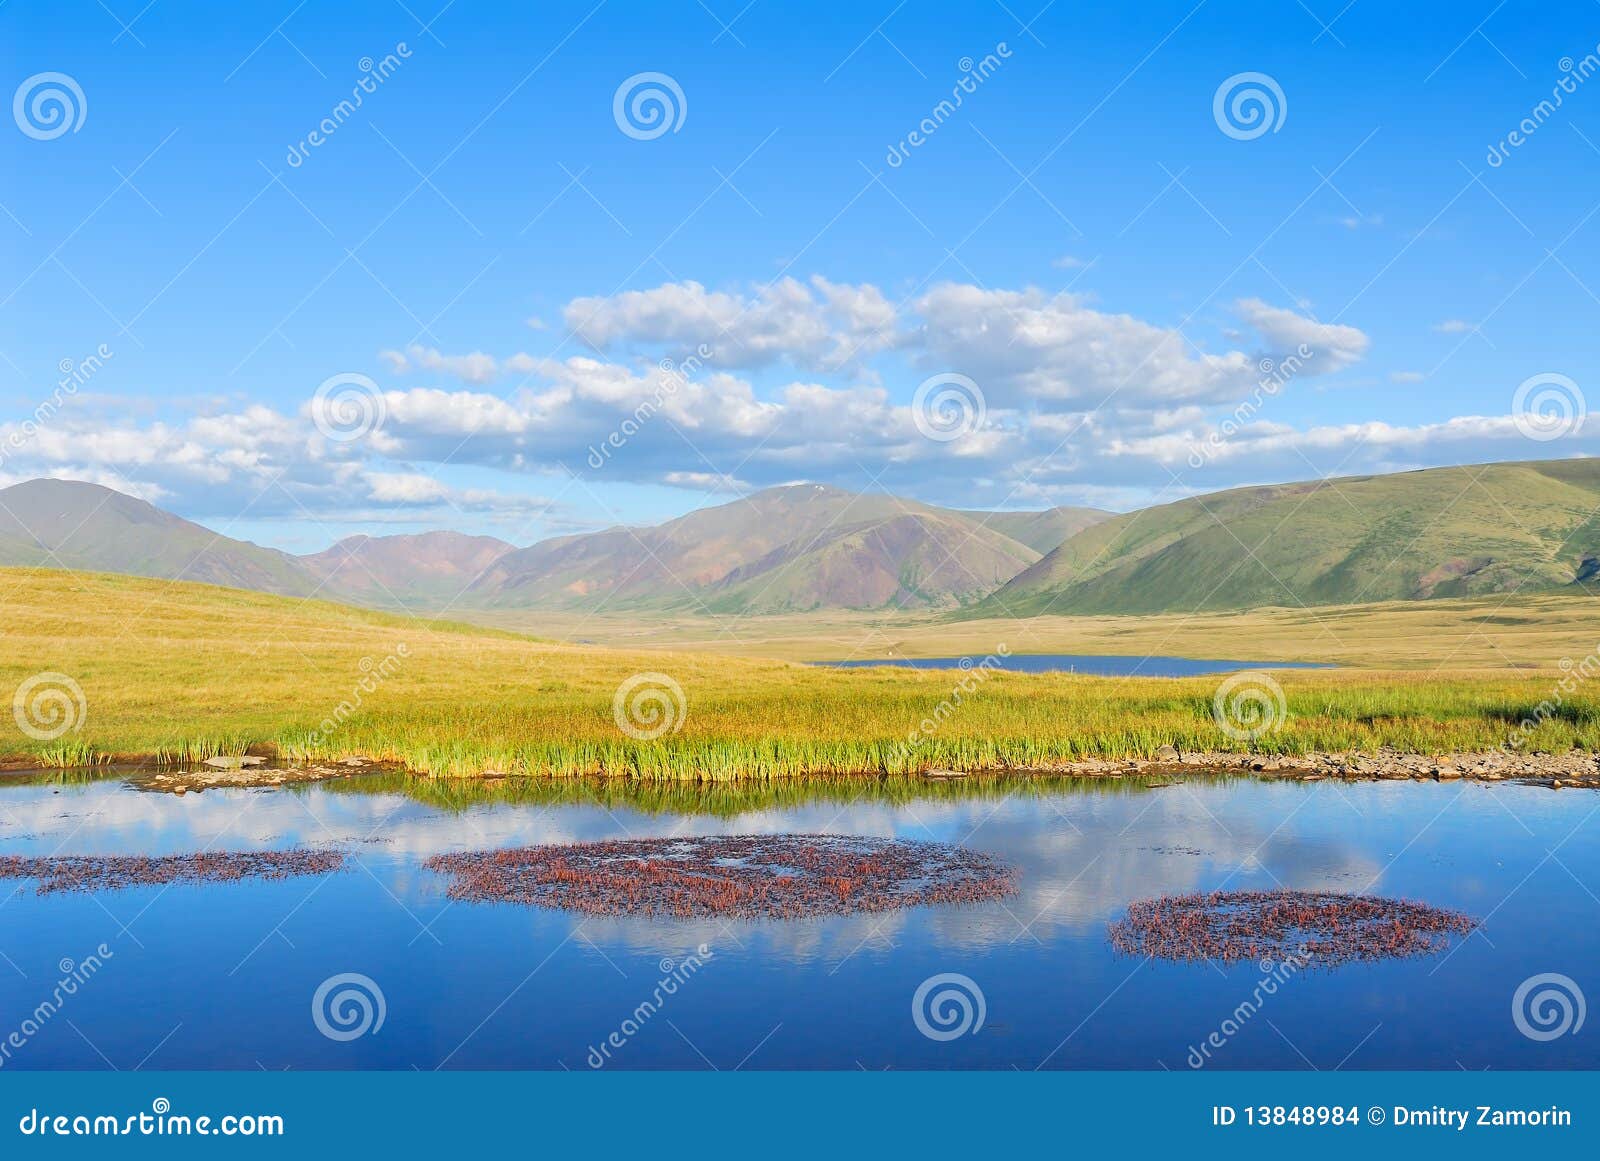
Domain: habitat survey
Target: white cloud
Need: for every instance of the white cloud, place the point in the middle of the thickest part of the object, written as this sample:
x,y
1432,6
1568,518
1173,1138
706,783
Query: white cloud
x,y
1333,346
1080,403
819,325
475,367
1453,326
1406,376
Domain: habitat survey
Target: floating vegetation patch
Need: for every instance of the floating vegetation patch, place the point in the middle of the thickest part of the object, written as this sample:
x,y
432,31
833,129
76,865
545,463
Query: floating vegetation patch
x,y
1322,928
114,872
792,876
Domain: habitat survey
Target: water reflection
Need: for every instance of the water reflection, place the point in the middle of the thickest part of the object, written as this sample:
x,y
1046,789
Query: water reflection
x,y
234,966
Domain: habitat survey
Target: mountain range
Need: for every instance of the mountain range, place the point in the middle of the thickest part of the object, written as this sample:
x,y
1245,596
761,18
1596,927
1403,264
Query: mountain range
x,y
786,549
1440,532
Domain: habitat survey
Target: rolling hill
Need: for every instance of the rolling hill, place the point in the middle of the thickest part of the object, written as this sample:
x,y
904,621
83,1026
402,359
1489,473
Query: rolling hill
x,y
405,569
787,549
1440,532
780,550
67,524
1041,531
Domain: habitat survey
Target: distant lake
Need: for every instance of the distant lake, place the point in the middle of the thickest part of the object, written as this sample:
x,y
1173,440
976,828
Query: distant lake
x,y
1093,663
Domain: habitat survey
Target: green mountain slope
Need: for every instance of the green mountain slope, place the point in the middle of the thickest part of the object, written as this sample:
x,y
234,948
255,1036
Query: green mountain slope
x,y
1443,532
68,524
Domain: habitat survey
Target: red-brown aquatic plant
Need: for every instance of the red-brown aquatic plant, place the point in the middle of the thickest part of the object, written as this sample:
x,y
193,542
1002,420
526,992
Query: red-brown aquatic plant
x,y
114,872
729,876
1320,928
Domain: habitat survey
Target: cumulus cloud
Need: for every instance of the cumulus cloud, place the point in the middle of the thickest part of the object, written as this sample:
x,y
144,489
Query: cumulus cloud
x,y
1332,346
816,325
1081,405
475,367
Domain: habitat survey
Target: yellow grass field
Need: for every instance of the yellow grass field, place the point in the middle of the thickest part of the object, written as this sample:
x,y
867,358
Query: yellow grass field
x,y
176,671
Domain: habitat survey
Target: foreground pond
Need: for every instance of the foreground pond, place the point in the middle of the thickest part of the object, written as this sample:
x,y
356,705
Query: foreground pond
x,y
297,972
1101,665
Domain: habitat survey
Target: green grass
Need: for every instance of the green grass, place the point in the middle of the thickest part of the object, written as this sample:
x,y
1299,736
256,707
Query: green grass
x,y
1444,532
179,672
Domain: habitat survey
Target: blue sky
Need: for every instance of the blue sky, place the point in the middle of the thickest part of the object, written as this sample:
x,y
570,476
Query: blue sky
x,y
1104,265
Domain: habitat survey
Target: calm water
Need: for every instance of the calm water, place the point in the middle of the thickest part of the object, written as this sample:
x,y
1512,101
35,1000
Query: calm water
x,y
1103,665
223,976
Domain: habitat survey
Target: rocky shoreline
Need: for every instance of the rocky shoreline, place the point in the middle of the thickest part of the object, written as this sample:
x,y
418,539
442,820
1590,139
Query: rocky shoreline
x,y
1576,768
248,772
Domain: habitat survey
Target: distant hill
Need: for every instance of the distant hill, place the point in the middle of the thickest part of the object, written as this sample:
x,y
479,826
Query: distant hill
x,y
405,569
783,549
788,549
1441,532
68,524
909,560
1042,531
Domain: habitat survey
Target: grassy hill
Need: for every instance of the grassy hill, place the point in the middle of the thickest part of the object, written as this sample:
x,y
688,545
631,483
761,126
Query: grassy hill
x,y
782,549
1443,532
184,671
67,524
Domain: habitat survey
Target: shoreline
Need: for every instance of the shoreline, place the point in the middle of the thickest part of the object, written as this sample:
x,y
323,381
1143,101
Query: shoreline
x,y
1576,769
